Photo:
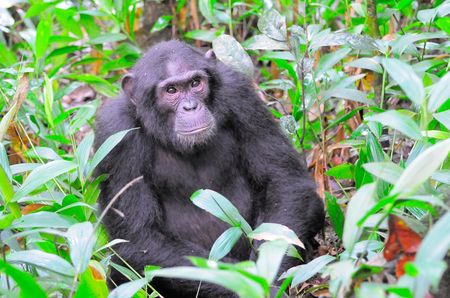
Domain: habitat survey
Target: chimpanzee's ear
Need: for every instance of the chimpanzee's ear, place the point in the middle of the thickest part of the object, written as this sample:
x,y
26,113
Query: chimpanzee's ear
x,y
127,83
210,55
127,86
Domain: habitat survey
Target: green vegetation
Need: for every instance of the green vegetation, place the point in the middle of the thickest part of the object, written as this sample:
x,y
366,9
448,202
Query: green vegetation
x,y
361,87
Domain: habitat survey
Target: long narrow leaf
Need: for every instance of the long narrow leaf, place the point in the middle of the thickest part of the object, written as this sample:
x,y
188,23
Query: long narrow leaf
x,y
43,174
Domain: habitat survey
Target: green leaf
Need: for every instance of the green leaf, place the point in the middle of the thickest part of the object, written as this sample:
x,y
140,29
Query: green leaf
x,y
433,249
107,37
337,217
43,33
440,93
304,272
263,42
42,260
81,240
360,203
220,207
273,24
274,231
398,121
24,280
342,171
421,168
223,245
386,171
443,117
233,281
6,186
347,93
128,289
6,220
43,219
270,256
91,286
406,78
43,174
48,100
161,23
230,52
83,151
366,63
7,119
327,61
204,35
106,148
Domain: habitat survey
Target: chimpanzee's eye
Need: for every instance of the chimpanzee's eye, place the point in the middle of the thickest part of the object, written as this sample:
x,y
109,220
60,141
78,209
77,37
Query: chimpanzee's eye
x,y
171,90
195,82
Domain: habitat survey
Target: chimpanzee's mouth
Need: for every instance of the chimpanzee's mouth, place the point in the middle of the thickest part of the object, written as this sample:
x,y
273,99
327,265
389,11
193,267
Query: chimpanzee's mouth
x,y
194,131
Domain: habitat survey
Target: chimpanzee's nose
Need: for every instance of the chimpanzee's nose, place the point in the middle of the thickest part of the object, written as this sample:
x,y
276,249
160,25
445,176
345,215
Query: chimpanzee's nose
x,y
190,105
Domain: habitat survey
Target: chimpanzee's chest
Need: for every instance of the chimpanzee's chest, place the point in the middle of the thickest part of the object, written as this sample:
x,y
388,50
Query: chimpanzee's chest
x,y
176,177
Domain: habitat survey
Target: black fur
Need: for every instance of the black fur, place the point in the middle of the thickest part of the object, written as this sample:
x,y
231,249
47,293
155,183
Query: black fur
x,y
248,160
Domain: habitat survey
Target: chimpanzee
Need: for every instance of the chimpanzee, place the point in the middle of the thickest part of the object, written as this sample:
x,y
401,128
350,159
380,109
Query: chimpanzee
x,y
201,125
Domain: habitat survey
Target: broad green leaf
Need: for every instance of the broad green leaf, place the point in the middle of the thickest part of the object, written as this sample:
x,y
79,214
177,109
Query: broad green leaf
x,y
270,256
427,15
48,100
421,168
433,249
81,240
440,93
83,151
161,23
274,231
4,162
273,24
220,207
347,93
204,35
404,75
340,274
406,41
128,289
43,219
90,285
386,171
263,42
6,186
304,272
107,37
327,61
24,280
43,33
43,174
6,120
223,245
342,171
230,52
360,203
337,217
6,220
106,148
42,152
233,281
23,167
398,121
366,63
436,242
443,117
42,260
